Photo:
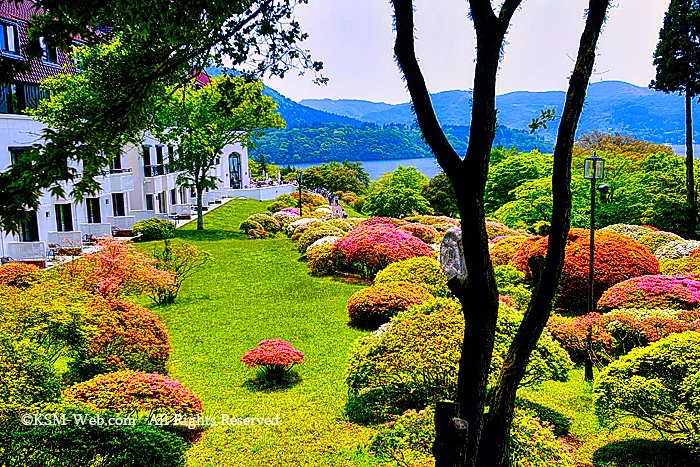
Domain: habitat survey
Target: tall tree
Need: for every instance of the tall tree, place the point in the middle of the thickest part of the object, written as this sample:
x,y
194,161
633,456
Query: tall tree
x,y
466,435
201,121
157,44
677,61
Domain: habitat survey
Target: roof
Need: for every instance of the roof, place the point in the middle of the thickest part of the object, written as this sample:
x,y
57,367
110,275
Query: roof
x,y
20,13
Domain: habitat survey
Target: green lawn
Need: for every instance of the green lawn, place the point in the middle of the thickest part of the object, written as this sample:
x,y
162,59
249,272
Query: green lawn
x,y
253,290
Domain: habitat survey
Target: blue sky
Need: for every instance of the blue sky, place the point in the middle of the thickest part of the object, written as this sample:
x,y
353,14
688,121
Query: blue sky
x,y
354,39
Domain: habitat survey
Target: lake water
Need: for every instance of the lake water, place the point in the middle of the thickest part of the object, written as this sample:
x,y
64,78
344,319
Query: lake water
x,y
428,166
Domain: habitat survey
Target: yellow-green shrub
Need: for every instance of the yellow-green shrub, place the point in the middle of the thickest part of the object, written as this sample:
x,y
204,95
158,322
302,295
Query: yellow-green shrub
x,y
420,270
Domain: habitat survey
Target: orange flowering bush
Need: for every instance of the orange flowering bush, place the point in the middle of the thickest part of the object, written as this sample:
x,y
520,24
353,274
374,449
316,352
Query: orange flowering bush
x,y
136,393
273,358
127,337
18,274
503,250
371,307
617,258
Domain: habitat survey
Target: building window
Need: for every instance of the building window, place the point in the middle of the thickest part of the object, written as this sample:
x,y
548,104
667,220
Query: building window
x,y
16,154
161,202
9,39
30,229
118,207
93,210
18,97
48,54
183,195
64,218
149,202
173,196
234,169
116,165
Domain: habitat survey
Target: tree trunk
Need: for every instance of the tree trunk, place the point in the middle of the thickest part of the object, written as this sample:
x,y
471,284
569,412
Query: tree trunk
x,y
200,216
689,170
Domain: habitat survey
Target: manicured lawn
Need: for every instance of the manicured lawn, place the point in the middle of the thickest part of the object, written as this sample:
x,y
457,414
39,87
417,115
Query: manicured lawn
x,y
253,290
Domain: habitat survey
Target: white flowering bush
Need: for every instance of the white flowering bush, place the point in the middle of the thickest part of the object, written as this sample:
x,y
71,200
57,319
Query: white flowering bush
x,y
329,240
292,226
676,249
635,232
284,218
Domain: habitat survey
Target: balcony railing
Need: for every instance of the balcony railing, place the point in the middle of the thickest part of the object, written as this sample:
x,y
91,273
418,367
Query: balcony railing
x,y
96,230
122,222
121,181
154,170
73,239
27,251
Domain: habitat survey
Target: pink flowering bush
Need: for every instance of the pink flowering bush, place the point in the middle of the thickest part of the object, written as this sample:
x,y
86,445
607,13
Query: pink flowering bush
x,y
273,358
293,211
134,393
680,291
370,248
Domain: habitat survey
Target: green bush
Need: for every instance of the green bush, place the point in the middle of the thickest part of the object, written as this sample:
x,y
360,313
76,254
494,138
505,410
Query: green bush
x,y
644,453
154,229
268,222
511,282
324,261
358,204
309,236
341,224
248,225
278,205
411,362
655,240
26,375
373,306
420,270
658,384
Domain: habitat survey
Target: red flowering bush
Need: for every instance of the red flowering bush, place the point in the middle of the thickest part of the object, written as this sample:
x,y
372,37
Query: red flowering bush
x,y
503,250
116,268
617,258
127,337
371,307
273,358
616,333
18,274
135,393
370,248
427,233
677,292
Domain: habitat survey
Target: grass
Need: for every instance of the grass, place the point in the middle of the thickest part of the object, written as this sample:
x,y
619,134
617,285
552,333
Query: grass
x,y
253,290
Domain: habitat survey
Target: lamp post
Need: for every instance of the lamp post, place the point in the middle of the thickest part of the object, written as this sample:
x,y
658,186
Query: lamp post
x,y
299,184
593,170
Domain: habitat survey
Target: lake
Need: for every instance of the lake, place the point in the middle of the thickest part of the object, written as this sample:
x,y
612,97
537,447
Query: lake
x,y
427,165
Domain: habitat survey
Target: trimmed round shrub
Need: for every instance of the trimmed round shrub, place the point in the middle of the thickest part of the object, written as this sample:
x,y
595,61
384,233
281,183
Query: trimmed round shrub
x,y
154,229
658,384
411,362
267,221
503,250
324,260
371,307
635,232
291,210
135,393
511,286
127,337
26,374
330,240
676,292
18,274
434,220
309,236
676,249
276,206
655,240
299,231
273,358
496,229
341,224
617,258
689,265
370,248
324,210
421,270
248,225
294,225
427,233
284,218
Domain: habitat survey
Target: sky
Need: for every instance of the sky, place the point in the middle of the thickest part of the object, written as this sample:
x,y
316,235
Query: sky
x,y
354,39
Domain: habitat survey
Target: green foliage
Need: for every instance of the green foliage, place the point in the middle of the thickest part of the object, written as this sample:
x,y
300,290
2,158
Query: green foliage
x,y
337,176
512,171
181,260
277,205
324,260
511,282
398,194
441,196
422,270
248,224
644,453
154,229
658,384
268,222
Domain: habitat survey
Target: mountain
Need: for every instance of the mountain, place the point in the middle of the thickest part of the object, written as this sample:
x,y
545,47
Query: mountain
x,y
611,107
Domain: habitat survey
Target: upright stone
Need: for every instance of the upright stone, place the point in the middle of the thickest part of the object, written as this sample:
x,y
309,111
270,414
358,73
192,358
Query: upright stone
x,y
452,255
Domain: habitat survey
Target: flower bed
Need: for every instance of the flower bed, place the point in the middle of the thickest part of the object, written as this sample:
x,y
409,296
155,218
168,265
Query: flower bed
x,y
18,274
503,250
635,232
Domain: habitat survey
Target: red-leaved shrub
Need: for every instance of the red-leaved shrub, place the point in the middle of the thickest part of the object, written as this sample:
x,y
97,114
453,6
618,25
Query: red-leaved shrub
x,y
17,274
371,307
370,248
427,233
617,258
135,393
273,358
681,291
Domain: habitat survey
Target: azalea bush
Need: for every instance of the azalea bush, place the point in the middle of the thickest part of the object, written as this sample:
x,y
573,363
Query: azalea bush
x,y
284,218
655,240
290,211
423,271
135,393
248,225
323,259
154,229
373,306
496,229
181,260
303,227
411,361
616,333
617,258
635,232
126,336
342,224
268,222
370,248
276,206
676,249
309,236
511,285
427,233
690,265
504,249
18,274
273,359
678,292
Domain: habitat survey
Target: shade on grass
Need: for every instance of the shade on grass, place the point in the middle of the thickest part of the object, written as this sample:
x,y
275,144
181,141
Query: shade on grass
x,y
255,290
